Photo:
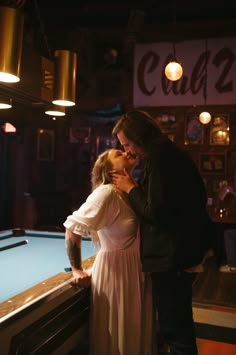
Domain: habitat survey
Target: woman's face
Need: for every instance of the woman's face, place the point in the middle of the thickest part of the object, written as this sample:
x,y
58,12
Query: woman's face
x,y
121,160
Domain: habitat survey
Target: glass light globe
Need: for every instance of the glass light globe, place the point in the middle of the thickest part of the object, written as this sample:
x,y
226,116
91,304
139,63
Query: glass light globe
x,y
173,71
204,117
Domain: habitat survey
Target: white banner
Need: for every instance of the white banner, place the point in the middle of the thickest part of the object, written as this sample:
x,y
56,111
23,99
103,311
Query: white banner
x,y
152,88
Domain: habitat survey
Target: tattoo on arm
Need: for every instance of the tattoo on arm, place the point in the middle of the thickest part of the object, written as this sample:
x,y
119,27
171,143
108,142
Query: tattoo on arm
x,y
74,254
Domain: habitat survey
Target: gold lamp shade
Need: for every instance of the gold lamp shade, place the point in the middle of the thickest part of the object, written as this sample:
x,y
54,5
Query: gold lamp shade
x,y
5,103
11,38
65,78
55,110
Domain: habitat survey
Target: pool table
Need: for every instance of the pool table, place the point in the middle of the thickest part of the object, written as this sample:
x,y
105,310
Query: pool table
x,y
40,311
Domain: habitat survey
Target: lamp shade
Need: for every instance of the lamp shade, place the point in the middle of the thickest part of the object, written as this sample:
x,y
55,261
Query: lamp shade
x,y
65,78
5,103
173,71
205,117
11,38
55,110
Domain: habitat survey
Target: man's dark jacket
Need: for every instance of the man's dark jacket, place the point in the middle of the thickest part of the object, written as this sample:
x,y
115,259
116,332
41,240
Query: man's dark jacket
x,y
170,203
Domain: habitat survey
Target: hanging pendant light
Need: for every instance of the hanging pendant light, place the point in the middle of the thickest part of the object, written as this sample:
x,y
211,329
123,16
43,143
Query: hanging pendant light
x,y
55,110
5,103
11,38
65,78
174,70
205,117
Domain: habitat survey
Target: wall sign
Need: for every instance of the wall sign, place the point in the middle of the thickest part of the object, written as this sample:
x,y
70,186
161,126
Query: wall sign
x,y
151,88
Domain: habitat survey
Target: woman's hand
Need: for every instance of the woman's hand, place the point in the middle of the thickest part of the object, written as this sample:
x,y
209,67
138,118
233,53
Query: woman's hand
x,y
123,182
81,278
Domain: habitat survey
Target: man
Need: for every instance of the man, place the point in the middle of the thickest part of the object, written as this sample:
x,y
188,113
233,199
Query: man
x,y
170,202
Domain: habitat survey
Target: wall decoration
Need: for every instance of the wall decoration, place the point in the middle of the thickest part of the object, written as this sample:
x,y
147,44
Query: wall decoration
x,y
104,143
194,130
45,144
212,163
219,130
79,135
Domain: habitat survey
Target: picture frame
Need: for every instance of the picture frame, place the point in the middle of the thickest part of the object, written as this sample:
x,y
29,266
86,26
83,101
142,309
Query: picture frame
x,y
194,130
220,130
79,134
45,144
212,163
104,143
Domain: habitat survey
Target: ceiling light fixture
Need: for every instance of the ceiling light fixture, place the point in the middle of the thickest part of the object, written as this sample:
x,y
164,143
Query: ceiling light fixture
x,y
65,78
173,70
5,103
55,110
11,38
205,117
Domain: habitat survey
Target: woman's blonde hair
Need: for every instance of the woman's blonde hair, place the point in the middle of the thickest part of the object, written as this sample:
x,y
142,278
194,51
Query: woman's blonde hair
x,y
100,174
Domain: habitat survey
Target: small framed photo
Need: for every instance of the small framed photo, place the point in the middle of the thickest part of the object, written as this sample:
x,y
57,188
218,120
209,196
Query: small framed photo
x,y
104,143
212,163
45,144
219,130
79,135
194,130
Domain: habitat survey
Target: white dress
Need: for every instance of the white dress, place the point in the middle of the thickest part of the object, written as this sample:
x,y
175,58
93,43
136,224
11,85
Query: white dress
x,y
121,307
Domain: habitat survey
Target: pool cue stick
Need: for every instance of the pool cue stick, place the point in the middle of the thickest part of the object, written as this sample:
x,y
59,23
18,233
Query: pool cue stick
x,y
14,245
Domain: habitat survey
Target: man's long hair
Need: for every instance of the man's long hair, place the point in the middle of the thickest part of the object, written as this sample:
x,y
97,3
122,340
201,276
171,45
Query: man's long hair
x,y
139,127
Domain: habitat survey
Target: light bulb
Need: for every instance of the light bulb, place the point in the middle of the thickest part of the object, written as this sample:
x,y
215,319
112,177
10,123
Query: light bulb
x,y
173,71
204,117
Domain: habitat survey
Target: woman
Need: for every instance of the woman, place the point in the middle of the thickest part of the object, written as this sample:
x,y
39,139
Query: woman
x,y
121,307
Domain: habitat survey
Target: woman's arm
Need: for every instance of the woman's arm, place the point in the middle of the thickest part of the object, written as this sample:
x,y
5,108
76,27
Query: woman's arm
x,y
73,249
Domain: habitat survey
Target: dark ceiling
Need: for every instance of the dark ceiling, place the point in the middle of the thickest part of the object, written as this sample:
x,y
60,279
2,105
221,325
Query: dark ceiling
x,y
73,15
47,17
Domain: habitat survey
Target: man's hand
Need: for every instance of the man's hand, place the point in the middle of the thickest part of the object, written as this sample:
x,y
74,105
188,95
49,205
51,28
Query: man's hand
x,y
123,182
81,278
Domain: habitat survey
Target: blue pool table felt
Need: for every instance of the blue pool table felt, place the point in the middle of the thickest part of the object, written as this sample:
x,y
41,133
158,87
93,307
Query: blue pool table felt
x,y
27,265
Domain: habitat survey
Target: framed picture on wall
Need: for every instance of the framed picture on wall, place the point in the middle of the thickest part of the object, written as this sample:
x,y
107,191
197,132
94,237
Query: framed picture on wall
x,y
79,135
104,143
45,144
194,130
219,129
212,163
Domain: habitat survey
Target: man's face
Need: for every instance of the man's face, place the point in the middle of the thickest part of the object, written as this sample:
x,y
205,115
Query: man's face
x,y
129,146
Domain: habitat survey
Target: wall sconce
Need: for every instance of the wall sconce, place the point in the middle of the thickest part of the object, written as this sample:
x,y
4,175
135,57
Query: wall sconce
x,y
65,78
55,110
11,38
205,117
9,128
5,103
